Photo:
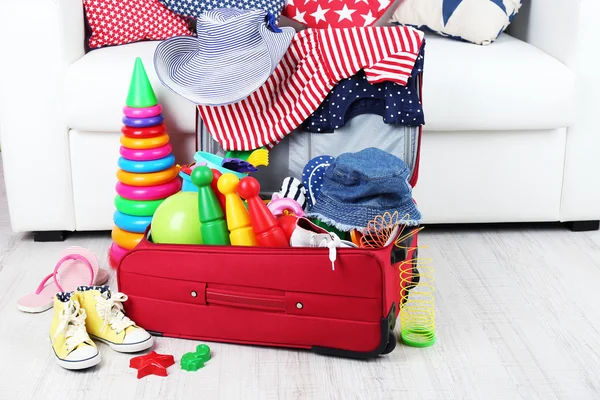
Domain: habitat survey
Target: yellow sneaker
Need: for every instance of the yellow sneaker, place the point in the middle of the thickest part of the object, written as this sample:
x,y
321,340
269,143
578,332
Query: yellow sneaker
x,y
71,343
107,322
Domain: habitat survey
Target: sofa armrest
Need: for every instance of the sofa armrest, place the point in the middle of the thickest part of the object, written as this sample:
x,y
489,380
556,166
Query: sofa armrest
x,y
550,25
567,30
35,143
71,30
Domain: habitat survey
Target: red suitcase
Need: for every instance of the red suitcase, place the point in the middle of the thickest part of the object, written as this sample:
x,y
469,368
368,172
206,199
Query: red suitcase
x,y
287,297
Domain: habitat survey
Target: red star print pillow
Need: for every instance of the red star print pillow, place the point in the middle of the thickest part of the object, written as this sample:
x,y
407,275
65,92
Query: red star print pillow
x,y
115,22
336,13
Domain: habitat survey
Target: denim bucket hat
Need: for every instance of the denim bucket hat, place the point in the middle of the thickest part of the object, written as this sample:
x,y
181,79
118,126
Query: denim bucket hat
x,y
233,54
359,186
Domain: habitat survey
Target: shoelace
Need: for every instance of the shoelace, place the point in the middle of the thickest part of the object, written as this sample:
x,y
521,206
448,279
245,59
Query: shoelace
x,y
332,243
111,311
72,324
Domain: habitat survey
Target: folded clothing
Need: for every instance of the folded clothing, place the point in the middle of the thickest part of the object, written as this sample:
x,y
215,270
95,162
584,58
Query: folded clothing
x,y
354,96
315,61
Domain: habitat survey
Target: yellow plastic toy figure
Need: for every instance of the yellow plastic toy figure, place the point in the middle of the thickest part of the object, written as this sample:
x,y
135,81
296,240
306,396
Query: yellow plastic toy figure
x,y
238,219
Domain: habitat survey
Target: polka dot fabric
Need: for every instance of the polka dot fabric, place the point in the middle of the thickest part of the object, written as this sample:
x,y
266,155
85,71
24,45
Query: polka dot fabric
x,y
396,104
63,297
312,177
104,290
115,22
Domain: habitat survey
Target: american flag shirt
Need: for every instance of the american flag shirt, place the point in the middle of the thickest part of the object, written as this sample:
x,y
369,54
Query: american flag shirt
x,y
315,61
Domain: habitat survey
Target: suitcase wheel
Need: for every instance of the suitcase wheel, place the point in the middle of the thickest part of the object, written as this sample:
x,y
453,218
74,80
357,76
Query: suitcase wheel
x,y
391,344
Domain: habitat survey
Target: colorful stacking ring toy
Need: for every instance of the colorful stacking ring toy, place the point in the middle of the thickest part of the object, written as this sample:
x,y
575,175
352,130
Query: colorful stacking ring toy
x,y
131,223
143,122
151,179
143,133
146,154
145,167
116,254
143,144
142,112
136,207
148,192
127,240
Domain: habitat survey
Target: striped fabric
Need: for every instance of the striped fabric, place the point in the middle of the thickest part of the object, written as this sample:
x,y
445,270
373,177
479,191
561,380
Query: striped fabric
x,y
293,188
316,60
233,55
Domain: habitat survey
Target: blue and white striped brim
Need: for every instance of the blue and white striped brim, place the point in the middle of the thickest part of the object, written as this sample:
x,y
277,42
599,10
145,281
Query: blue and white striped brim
x,y
234,53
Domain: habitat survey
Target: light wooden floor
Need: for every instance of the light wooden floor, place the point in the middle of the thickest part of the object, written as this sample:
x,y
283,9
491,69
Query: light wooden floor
x,y
518,314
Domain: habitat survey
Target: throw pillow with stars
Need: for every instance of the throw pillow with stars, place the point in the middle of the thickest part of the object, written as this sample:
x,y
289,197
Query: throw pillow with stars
x,y
115,22
193,8
336,13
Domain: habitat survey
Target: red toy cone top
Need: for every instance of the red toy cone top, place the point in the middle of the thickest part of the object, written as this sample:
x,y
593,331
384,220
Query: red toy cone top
x,y
262,219
141,94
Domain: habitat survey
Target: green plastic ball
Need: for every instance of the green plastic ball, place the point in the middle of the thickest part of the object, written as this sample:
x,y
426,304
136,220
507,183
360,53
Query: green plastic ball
x,y
176,220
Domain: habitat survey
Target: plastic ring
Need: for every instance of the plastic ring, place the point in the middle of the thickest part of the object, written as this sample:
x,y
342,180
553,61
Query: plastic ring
x,y
127,240
148,192
116,254
143,144
151,179
143,122
131,223
145,167
143,133
147,154
136,207
145,112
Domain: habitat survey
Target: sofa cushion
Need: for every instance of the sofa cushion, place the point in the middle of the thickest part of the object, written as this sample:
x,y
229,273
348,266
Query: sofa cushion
x,y
508,85
95,89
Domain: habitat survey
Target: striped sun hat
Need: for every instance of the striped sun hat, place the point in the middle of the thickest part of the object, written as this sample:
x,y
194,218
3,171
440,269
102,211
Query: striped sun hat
x,y
233,54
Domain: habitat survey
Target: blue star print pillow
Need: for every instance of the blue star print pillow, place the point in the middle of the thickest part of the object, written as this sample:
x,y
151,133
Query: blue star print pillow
x,y
476,21
193,8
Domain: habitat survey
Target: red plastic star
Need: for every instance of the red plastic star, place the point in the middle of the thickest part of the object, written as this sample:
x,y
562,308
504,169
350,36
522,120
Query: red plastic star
x,y
152,364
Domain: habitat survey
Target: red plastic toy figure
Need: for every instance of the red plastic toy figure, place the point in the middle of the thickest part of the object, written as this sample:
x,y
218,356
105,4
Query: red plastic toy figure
x,y
264,225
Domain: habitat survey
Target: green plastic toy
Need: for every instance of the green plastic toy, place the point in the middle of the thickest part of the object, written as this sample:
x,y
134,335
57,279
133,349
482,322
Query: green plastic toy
x,y
214,228
141,94
196,360
176,220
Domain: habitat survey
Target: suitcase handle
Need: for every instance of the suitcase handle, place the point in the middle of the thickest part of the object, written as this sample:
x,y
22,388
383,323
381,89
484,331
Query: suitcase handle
x,y
236,299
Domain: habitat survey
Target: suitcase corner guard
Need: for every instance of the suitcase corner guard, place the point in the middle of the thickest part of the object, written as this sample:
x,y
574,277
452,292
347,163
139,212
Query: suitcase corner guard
x,y
386,345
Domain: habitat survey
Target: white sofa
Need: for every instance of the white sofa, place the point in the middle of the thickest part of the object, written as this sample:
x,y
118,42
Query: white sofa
x,y
510,131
